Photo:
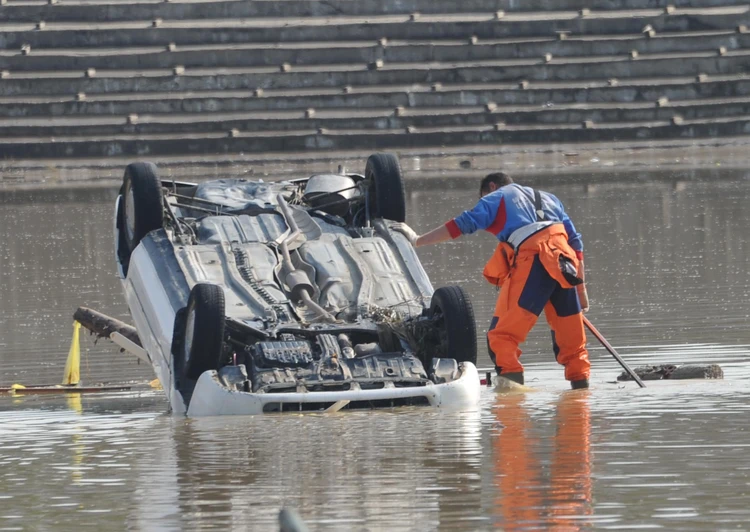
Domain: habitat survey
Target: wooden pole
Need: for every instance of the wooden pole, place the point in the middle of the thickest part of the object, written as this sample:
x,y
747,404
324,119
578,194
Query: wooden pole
x,y
103,325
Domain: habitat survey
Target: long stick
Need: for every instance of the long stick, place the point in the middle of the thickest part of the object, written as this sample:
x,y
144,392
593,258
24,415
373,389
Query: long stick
x,y
612,351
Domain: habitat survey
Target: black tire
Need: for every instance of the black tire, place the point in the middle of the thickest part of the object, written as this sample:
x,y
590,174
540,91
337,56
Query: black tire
x,y
141,208
386,196
455,315
203,341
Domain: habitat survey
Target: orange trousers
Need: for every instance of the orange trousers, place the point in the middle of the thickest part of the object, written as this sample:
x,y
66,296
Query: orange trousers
x,y
530,284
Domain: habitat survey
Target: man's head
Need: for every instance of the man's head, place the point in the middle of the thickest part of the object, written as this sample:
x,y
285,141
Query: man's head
x,y
492,182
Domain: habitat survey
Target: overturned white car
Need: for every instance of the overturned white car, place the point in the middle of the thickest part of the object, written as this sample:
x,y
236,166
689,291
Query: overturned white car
x,y
252,297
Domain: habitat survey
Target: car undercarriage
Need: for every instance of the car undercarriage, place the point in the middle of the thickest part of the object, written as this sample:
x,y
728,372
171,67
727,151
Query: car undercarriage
x,y
294,287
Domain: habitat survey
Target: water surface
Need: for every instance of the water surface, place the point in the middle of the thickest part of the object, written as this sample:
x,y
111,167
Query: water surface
x,y
666,263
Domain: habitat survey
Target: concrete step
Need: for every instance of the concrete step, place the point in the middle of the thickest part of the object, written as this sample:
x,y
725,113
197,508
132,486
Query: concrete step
x,y
408,96
427,27
94,11
411,95
331,76
519,41
269,142
66,128
251,55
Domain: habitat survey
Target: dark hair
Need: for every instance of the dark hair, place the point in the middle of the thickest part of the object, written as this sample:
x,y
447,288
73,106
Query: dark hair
x,y
500,179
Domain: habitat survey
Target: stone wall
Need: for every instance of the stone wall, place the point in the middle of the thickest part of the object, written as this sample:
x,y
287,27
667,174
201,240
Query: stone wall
x,y
123,78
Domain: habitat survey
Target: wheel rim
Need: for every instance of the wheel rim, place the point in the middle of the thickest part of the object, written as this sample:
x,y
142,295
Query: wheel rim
x,y
442,332
189,331
130,214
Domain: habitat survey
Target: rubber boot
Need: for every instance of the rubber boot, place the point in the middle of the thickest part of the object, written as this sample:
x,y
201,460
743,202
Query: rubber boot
x,y
579,384
515,377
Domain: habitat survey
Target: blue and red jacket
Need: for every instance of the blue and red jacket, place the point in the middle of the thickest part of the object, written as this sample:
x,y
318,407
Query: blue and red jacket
x,y
509,208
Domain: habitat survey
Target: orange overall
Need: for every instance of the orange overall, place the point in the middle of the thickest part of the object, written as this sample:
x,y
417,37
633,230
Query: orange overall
x,y
532,281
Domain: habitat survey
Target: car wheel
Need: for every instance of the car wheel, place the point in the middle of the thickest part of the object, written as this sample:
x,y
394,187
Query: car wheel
x,y
203,341
386,198
142,208
454,316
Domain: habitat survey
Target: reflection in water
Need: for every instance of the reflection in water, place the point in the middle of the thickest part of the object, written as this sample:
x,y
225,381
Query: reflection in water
x,y
405,470
74,403
519,462
571,459
542,479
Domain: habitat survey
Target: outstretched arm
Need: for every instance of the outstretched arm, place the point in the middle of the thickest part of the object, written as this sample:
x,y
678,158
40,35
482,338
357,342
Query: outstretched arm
x,y
439,234
480,217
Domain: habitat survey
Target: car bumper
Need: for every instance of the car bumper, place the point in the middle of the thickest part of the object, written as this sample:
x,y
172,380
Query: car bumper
x,y
211,398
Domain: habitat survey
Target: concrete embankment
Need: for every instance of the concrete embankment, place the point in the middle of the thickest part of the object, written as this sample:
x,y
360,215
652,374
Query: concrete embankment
x,y
673,160
129,79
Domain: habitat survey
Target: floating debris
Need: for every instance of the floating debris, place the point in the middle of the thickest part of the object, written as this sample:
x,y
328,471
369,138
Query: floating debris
x,y
670,371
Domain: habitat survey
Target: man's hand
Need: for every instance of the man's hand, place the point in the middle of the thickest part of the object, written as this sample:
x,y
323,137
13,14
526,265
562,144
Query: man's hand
x,y
407,231
583,296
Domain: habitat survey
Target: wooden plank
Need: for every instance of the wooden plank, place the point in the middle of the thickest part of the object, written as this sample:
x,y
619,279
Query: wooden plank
x,y
44,389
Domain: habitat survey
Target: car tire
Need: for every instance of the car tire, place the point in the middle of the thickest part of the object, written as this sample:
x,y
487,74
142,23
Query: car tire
x,y
385,197
452,308
142,207
203,340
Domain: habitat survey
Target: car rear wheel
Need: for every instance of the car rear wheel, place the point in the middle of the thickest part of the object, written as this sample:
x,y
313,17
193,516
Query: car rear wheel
x,y
386,198
203,341
142,208
453,314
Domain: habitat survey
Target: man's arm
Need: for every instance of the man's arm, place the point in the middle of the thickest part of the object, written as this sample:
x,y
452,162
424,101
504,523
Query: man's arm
x,y
480,217
583,295
437,235
574,237
576,242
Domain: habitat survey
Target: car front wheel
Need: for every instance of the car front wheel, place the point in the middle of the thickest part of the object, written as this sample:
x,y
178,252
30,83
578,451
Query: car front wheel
x,y
453,316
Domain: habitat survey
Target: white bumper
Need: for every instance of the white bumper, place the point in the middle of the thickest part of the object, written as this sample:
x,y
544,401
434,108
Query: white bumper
x,y
211,398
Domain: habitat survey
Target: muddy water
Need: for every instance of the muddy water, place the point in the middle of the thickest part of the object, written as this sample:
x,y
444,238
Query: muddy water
x,y
666,262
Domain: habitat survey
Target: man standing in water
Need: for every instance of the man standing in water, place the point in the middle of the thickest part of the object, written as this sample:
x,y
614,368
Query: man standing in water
x,y
538,263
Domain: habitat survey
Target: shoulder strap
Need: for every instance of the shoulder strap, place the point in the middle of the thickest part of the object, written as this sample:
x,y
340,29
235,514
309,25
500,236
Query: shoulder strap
x,y
537,199
538,206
